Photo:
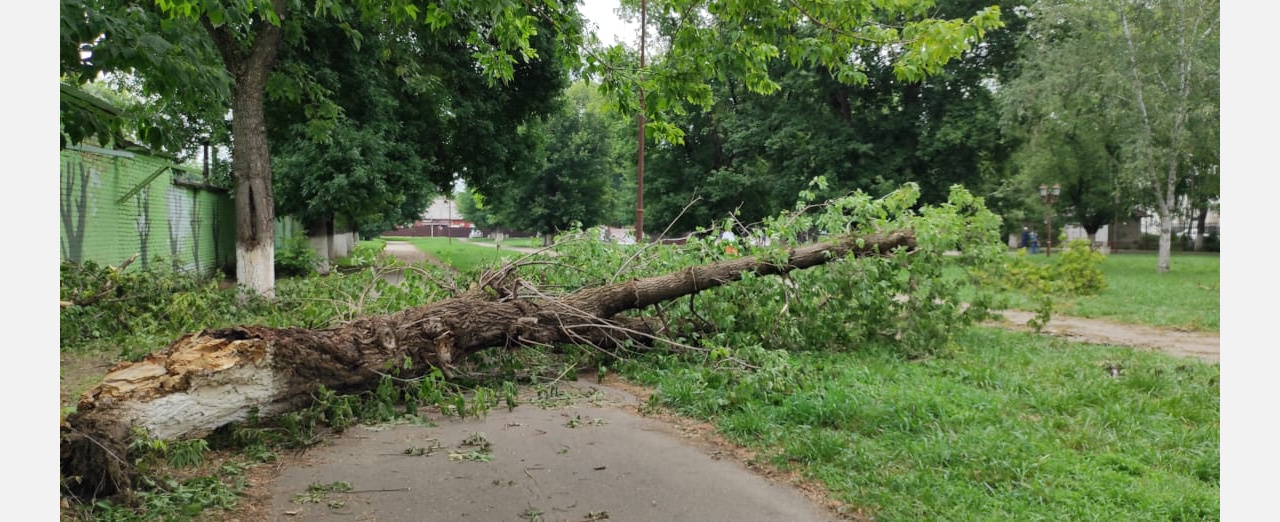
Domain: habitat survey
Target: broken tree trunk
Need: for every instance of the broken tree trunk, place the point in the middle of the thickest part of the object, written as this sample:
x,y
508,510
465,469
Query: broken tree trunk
x,y
207,379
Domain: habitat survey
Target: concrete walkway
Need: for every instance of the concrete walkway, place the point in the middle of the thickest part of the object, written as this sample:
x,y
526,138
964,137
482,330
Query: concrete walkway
x,y
590,460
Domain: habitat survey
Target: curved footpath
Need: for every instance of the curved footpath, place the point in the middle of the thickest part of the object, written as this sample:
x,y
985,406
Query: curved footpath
x,y
594,459
1199,345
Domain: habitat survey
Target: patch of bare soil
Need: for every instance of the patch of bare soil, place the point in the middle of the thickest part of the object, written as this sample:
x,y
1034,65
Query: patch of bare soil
x,y
81,371
1199,345
408,253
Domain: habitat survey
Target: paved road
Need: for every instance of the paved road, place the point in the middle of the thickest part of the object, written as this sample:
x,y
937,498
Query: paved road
x,y
585,461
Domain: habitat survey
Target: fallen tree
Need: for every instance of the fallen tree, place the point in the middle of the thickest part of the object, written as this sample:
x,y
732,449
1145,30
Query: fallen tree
x,y
210,378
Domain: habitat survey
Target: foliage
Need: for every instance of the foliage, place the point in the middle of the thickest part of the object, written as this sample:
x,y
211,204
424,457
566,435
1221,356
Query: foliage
x,y
295,257
168,498
903,300
576,172
137,311
749,153
740,39
176,106
474,208
1131,84
1078,269
980,432
112,306
390,145
364,254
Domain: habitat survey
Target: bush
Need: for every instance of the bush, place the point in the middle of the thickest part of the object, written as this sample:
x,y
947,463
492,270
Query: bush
x,y
1078,270
295,257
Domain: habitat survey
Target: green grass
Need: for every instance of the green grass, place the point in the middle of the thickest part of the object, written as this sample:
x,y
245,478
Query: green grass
x,y
365,252
526,242
1009,426
461,254
1187,297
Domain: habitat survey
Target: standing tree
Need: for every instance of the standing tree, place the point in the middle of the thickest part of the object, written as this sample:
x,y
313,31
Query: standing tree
x,y
576,167
394,145
1150,68
166,44
750,153
721,50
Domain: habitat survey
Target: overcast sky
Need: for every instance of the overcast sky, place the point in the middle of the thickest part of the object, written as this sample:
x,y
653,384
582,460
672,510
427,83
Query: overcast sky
x,y
608,26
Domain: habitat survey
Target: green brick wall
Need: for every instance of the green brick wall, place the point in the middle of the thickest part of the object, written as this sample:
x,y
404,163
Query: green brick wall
x,y
178,226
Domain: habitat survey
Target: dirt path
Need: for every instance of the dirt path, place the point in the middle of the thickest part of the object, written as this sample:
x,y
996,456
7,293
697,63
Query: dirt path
x,y
1200,345
405,251
591,459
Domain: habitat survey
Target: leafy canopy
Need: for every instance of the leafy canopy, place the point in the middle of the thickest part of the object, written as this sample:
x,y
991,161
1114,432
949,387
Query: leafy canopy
x,y
705,41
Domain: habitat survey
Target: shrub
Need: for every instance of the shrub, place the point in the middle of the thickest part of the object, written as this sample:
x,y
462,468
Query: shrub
x,y
1078,270
295,257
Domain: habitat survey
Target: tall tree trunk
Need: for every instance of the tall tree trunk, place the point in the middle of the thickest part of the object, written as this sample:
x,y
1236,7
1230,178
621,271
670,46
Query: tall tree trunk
x,y
208,379
250,155
255,203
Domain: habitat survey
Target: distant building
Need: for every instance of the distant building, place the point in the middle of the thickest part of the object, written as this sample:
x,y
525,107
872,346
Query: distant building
x,y
441,219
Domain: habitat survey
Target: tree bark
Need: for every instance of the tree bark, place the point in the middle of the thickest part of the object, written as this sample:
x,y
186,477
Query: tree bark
x,y
207,379
1166,243
250,155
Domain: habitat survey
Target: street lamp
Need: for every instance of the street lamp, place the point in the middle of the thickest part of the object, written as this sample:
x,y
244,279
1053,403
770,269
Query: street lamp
x,y
1048,194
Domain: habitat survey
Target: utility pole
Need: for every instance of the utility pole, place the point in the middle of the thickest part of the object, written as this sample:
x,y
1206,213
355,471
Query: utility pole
x,y
640,119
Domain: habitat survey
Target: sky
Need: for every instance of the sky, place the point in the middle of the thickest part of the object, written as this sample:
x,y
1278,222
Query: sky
x,y
608,26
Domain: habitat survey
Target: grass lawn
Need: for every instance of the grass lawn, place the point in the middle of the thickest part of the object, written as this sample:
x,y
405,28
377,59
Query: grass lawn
x,y
1187,297
364,252
1010,426
527,242
461,254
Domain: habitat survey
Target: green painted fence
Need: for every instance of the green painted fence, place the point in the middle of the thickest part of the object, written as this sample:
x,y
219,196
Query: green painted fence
x,y
116,204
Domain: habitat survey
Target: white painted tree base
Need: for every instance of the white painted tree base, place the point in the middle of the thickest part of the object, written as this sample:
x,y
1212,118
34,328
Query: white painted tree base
x,y
256,269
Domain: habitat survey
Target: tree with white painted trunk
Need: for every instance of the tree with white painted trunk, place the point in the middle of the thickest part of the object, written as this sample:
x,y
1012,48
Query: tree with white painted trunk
x,y
877,274
1153,74
223,55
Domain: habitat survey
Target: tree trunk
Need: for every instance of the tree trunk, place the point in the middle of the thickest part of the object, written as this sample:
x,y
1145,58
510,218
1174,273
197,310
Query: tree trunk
x,y
255,203
250,155
210,378
1166,242
1201,218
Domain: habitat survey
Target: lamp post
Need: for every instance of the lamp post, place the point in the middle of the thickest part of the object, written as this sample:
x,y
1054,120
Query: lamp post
x,y
1048,194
